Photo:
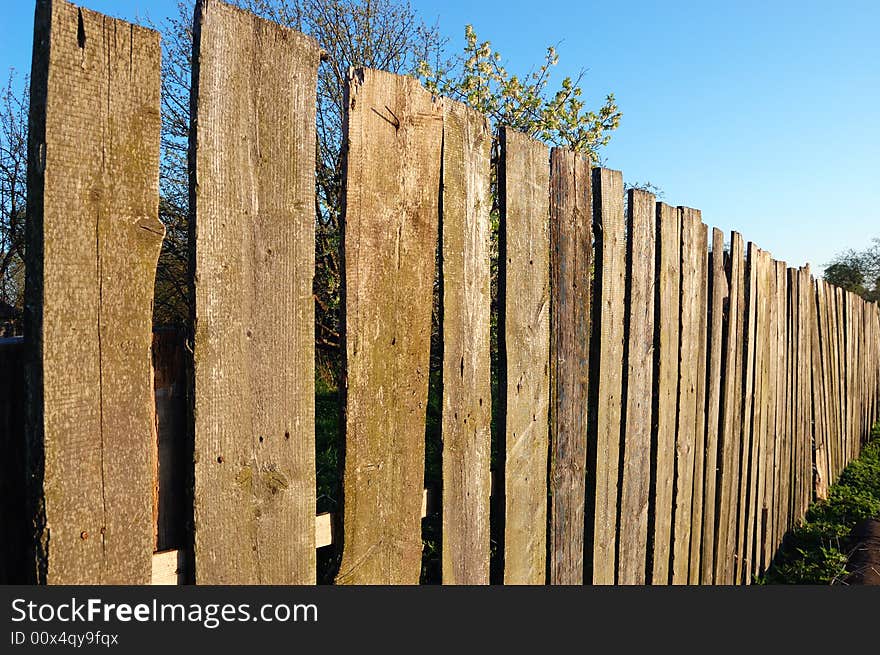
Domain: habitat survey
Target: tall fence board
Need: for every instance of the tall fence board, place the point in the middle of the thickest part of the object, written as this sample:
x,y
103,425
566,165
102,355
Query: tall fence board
x,y
253,202
93,221
607,393
700,404
394,132
732,407
467,396
571,250
632,532
719,295
666,342
524,171
692,263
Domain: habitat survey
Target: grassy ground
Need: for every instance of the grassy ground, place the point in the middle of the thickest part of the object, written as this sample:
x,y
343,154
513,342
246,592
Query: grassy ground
x,y
816,552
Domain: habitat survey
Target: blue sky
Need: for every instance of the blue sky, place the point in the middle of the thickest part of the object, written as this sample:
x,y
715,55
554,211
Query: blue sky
x,y
764,115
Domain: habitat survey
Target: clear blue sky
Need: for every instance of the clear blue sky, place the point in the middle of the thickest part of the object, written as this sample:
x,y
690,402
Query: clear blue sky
x,y
764,115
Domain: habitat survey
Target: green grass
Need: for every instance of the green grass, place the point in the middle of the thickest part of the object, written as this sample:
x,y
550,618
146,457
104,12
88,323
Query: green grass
x,y
816,552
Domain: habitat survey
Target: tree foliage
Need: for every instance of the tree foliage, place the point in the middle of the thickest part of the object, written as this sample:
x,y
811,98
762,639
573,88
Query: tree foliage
x,y
13,196
857,271
478,78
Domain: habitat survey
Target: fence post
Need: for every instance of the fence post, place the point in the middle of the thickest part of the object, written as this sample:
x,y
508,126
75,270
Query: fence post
x,y
394,131
253,203
92,244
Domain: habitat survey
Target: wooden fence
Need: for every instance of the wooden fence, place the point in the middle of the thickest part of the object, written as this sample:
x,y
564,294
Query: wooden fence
x,y
669,404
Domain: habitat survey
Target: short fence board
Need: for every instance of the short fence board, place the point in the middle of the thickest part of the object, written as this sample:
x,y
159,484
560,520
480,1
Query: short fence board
x,y
692,262
571,251
731,426
394,133
639,361
607,392
718,285
525,172
92,245
467,396
666,340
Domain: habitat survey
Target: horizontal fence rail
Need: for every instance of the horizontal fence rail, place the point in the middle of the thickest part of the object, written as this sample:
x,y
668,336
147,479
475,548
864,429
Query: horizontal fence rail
x,y
664,405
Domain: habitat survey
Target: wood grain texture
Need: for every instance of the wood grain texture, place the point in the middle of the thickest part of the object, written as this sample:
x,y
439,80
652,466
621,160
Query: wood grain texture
x,y
607,393
639,367
467,396
571,252
666,339
746,469
692,262
820,420
719,296
394,131
782,436
694,568
731,417
92,245
523,182
253,148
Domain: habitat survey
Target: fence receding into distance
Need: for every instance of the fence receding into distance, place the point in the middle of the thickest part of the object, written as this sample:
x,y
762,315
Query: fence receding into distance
x,y
668,404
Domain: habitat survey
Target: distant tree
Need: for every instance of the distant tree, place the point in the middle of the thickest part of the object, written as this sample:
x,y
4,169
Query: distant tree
x,y
13,196
857,271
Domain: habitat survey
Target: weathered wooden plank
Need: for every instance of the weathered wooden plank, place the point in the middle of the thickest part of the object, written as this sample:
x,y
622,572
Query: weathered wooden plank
x,y
783,437
759,419
666,340
694,569
692,258
639,363
253,148
742,574
467,395
571,251
607,393
394,133
765,531
93,222
719,297
804,386
731,416
525,224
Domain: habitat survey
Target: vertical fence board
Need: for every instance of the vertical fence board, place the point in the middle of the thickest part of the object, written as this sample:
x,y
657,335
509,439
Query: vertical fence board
x,y
607,392
571,249
820,425
719,297
731,428
700,407
686,438
526,325
253,153
395,131
638,358
467,394
666,310
746,469
93,222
